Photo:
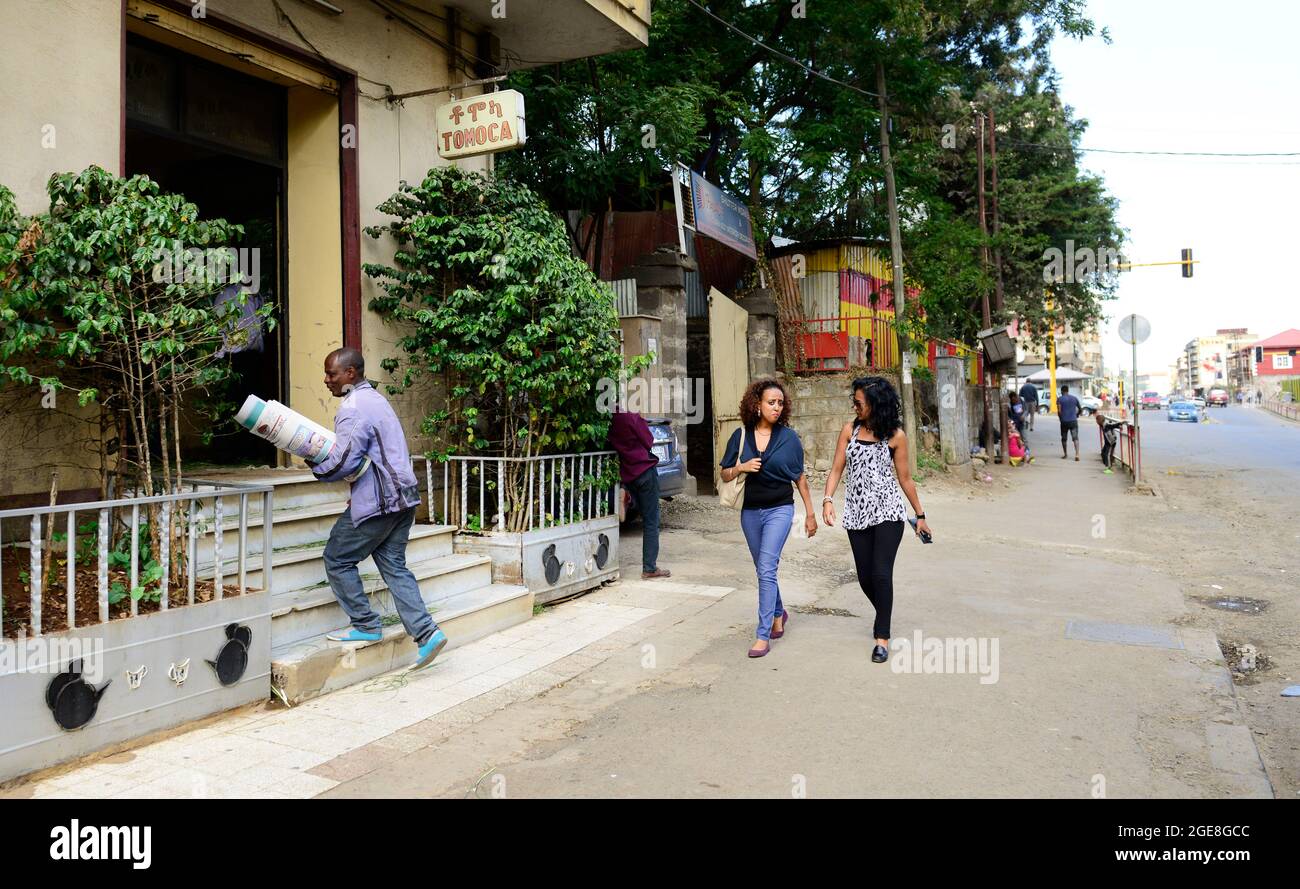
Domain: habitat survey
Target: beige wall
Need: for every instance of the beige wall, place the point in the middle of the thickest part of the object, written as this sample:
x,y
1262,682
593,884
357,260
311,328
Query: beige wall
x,y
395,142
60,67
315,254
60,64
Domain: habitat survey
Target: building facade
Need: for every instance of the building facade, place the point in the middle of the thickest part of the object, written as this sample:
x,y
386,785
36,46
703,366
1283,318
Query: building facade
x,y
295,119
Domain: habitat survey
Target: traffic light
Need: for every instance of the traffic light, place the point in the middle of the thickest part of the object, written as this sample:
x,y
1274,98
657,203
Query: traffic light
x,y
1187,262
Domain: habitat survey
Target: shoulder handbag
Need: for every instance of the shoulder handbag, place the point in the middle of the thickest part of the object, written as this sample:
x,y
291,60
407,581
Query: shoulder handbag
x,y
732,494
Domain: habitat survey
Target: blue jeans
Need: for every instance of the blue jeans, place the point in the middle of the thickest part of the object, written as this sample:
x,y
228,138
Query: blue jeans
x,y
766,531
645,490
383,537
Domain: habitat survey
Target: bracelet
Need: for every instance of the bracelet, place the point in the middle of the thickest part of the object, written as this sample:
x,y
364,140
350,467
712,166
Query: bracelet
x,y
919,516
830,497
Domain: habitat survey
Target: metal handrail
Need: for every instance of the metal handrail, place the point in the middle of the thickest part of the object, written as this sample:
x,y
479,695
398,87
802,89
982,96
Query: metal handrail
x,y
104,509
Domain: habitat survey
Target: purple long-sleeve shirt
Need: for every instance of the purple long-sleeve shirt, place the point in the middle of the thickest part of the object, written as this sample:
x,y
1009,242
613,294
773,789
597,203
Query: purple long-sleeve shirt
x,y
367,427
629,434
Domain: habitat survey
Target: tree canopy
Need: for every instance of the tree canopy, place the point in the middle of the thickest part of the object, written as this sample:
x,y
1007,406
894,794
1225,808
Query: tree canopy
x,y
792,127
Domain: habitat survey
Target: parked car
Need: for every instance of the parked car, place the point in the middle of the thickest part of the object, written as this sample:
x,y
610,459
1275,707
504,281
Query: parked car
x,y
1150,401
1218,397
672,470
1198,401
1164,401
1090,404
1184,412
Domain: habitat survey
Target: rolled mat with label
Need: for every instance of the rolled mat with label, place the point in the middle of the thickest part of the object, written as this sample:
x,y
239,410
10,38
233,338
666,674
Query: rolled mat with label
x,y
290,431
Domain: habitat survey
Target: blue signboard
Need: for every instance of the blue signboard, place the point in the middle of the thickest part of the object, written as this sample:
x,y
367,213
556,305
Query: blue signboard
x,y
721,217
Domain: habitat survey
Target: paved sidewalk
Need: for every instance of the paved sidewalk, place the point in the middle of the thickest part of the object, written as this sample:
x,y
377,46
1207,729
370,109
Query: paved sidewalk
x,y
1102,690
267,751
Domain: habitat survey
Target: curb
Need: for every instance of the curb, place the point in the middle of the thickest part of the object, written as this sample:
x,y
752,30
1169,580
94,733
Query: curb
x,y
1232,748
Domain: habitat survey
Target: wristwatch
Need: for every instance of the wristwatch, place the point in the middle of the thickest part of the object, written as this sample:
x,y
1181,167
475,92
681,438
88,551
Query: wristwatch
x,y
920,516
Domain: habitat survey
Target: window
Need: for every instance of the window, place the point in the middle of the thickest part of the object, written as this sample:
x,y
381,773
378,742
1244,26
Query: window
x,y
1282,362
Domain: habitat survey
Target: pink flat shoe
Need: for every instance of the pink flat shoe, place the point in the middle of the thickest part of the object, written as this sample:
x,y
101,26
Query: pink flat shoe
x,y
755,651
785,619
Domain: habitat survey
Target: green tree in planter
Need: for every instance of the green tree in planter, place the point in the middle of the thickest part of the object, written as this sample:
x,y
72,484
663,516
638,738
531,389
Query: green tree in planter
x,y
89,306
493,304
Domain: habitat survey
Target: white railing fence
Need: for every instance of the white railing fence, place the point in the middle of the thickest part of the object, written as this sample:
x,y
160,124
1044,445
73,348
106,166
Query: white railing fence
x,y
88,542
519,493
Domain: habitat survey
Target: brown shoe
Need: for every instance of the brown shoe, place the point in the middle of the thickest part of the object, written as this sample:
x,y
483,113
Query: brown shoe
x,y
658,572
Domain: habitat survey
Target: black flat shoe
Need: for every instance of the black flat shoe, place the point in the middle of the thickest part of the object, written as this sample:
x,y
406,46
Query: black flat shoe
x,y
879,654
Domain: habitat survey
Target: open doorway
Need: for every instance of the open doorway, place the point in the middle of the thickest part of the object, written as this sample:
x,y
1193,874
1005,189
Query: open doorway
x,y
217,137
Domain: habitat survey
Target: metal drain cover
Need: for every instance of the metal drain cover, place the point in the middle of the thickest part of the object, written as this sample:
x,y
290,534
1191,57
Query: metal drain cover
x,y
1123,634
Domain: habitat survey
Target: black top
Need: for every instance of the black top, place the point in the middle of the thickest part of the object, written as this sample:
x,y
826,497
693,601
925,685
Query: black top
x,y
762,491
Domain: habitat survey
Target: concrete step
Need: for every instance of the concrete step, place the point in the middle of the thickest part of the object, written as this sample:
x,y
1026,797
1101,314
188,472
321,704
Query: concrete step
x,y
294,488
290,527
303,566
311,667
301,614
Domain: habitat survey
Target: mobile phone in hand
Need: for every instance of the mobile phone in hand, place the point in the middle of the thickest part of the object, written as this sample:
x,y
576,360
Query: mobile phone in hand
x,y
924,535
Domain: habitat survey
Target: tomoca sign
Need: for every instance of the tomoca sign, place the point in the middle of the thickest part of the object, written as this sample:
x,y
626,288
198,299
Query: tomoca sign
x,y
481,124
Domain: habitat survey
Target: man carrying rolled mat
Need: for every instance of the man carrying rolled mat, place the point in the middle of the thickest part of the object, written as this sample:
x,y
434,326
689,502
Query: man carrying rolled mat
x,y
380,512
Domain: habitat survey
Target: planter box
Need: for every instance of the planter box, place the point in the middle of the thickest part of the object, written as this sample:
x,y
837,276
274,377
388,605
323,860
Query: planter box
x,y
32,739
572,553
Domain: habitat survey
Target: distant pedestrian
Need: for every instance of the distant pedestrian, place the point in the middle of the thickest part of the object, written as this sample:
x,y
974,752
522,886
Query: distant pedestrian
x,y
638,469
1016,414
1109,436
772,455
1067,408
874,448
1029,395
1259,397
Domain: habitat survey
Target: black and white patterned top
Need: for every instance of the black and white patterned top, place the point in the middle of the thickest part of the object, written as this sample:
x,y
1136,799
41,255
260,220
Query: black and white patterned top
x,y
872,495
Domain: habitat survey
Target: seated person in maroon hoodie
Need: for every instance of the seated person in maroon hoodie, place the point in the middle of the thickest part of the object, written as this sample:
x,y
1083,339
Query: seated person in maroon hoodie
x,y
638,469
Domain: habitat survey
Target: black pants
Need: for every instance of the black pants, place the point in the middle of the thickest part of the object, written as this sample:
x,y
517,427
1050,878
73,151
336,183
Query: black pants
x,y
645,491
874,549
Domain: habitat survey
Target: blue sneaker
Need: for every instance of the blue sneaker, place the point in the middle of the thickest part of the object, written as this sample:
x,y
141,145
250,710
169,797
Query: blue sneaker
x,y
429,650
354,635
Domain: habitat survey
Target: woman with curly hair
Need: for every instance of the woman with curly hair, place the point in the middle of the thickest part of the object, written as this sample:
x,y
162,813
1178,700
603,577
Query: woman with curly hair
x,y
773,456
875,450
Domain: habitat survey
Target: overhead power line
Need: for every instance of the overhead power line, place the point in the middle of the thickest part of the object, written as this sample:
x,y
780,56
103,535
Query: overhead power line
x,y
788,58
1043,147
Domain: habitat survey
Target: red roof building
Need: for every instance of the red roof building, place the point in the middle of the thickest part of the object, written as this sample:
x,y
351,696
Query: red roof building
x,y
1277,354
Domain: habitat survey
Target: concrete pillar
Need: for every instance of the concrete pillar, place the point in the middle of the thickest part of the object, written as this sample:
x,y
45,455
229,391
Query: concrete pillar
x,y
761,305
954,421
661,291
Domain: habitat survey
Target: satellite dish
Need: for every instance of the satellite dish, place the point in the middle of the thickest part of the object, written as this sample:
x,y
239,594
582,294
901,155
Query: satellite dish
x,y
1134,329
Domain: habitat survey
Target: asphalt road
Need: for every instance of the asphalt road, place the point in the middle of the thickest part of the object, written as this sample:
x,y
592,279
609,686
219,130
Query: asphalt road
x,y
1232,438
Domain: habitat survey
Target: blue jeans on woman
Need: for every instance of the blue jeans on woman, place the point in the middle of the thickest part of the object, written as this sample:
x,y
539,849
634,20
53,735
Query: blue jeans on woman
x,y
766,531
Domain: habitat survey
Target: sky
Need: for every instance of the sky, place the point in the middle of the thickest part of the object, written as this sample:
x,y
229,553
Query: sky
x,y
1194,75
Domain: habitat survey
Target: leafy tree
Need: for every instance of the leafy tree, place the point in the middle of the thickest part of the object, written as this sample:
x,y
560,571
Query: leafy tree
x,y
90,306
804,152
493,304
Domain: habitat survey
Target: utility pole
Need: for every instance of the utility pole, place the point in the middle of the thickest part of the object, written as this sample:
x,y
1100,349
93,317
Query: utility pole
x,y
984,296
896,253
997,251
997,265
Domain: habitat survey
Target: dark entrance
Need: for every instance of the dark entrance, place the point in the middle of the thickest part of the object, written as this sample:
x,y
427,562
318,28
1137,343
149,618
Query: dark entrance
x,y
217,137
